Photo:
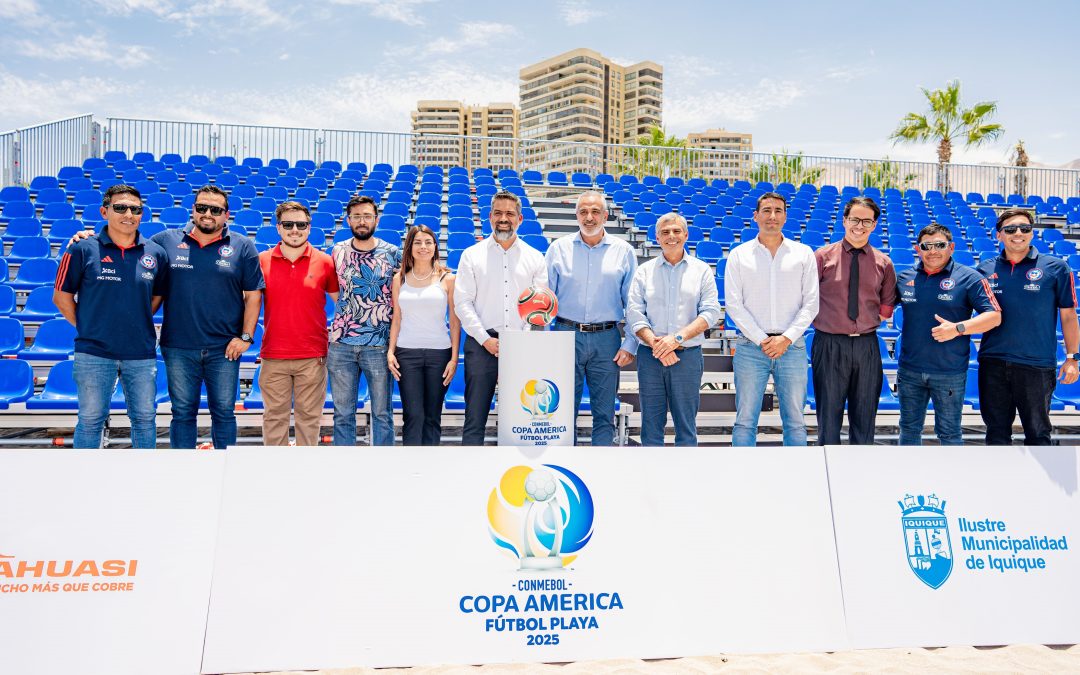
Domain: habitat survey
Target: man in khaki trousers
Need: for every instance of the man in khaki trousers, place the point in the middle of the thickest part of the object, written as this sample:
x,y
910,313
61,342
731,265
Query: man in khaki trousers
x,y
298,278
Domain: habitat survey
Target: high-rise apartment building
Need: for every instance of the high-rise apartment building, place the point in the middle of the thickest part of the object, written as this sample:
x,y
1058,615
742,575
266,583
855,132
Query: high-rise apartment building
x,y
449,133
576,104
723,154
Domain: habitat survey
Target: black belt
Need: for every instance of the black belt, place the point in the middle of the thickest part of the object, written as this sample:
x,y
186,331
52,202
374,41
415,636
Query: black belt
x,y
588,327
850,335
492,332
773,334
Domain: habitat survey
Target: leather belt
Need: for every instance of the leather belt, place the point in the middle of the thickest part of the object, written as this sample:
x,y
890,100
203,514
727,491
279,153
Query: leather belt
x,y
588,327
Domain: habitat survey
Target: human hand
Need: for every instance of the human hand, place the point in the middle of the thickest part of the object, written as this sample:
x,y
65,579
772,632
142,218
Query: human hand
x,y
392,364
492,345
623,358
236,348
448,371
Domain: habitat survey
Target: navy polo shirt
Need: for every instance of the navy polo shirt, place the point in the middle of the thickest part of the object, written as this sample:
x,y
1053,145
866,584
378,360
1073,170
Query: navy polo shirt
x,y
115,287
204,297
1031,293
953,293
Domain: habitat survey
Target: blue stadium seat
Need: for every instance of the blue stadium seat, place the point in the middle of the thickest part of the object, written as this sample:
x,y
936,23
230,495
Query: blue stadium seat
x,y
39,306
709,251
33,273
61,211
459,240
529,227
29,247
12,337
17,211
557,178
267,234
51,195
62,231
722,235
22,227
16,382
537,241
54,341
14,193
60,392
41,183
453,257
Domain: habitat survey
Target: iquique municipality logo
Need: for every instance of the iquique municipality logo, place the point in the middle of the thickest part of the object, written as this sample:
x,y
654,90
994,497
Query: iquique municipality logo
x,y
926,538
541,514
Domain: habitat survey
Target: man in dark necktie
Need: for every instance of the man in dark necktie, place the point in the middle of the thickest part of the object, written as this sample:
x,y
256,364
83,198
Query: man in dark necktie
x,y
858,292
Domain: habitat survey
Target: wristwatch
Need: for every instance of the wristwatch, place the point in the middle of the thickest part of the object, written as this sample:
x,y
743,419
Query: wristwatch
x,y
1074,356
246,337
679,338
960,328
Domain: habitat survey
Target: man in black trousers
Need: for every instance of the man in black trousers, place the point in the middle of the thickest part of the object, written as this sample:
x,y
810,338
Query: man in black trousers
x,y
858,292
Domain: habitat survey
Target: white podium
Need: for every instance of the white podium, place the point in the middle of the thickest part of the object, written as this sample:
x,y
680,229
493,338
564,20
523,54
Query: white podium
x,y
536,388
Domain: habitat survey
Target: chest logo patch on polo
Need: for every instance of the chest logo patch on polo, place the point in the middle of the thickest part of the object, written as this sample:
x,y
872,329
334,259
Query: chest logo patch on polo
x,y
948,284
1034,274
225,251
148,261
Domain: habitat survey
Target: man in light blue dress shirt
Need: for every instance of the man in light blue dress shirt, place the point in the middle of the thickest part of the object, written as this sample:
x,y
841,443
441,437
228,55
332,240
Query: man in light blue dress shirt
x,y
673,300
590,273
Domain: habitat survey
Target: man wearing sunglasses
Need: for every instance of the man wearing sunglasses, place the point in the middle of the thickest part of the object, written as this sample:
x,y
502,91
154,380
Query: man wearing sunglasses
x,y
938,296
1018,367
293,372
109,287
211,310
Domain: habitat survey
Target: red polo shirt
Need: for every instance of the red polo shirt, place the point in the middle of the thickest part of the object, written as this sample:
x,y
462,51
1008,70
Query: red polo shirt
x,y
294,316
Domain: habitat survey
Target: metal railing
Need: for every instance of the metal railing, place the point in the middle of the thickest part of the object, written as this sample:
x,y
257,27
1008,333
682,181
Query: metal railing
x,y
45,148
42,149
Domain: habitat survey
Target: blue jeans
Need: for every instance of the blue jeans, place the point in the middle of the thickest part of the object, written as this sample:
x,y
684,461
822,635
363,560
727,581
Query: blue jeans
x,y
676,388
752,370
95,379
189,370
345,364
915,390
594,363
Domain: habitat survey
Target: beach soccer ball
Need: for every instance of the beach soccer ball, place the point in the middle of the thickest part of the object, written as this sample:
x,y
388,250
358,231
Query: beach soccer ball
x,y
537,306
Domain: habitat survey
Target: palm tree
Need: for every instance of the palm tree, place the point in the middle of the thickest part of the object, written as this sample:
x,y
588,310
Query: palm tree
x,y
946,122
1020,161
885,174
658,154
786,168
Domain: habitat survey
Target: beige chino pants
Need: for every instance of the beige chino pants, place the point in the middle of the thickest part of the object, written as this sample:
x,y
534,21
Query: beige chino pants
x,y
284,381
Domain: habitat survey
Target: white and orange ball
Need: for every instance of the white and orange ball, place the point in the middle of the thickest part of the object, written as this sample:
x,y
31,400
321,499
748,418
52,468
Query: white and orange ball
x,y
538,306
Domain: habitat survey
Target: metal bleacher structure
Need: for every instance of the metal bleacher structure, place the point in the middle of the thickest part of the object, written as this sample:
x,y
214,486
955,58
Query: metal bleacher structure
x,y
38,218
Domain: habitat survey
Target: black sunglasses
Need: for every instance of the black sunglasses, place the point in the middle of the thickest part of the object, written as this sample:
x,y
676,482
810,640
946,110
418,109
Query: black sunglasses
x,y
124,208
934,245
294,224
1011,229
214,210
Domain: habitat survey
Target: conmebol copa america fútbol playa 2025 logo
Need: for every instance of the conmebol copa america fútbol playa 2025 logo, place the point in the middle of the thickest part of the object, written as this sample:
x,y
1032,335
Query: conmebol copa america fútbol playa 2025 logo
x,y
926,538
540,398
541,514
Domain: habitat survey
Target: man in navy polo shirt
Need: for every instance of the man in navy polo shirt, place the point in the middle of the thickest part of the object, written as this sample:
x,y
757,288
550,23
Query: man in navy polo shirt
x,y
119,278
212,304
1018,361
938,296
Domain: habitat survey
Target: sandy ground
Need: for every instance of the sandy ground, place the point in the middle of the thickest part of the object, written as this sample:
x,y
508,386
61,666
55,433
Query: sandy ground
x,y
1010,659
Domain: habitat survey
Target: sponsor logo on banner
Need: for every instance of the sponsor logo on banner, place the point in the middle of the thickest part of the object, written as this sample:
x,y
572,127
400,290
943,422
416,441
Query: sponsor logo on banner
x,y
930,551
19,575
926,536
543,516
540,398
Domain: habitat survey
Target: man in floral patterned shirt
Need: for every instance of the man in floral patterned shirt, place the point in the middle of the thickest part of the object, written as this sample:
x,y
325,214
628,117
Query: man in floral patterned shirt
x,y
360,330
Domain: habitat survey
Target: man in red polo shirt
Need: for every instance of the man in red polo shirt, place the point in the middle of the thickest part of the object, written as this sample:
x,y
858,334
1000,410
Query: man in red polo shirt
x,y
298,278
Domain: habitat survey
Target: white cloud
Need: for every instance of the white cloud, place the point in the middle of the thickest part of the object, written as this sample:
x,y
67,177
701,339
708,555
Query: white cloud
x,y
87,48
700,110
400,11
577,12
129,7
35,100
255,13
25,12
284,56
472,34
847,74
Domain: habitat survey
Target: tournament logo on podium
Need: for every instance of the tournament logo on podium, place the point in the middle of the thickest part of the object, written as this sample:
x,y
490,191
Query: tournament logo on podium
x,y
540,398
541,515
926,539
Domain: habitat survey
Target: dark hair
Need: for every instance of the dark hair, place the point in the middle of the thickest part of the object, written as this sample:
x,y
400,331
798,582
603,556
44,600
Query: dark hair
x,y
213,190
290,206
406,250
770,195
934,228
357,201
119,189
863,201
505,194
1010,213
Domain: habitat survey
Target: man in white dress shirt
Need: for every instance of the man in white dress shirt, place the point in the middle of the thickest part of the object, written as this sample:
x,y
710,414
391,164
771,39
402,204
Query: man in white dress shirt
x,y
490,277
772,296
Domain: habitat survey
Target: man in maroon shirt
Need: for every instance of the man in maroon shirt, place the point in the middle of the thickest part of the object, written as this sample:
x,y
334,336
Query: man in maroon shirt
x,y
858,292
298,278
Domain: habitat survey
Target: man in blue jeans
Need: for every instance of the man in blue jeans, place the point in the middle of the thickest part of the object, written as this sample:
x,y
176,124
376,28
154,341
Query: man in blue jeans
x,y
360,329
590,273
119,278
771,286
673,300
211,309
938,296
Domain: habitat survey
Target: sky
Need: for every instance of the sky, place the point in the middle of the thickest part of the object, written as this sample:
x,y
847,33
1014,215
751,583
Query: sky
x,y
831,78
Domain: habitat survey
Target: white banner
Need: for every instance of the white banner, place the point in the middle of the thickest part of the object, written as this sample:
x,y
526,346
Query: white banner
x,y
959,545
536,388
105,559
338,557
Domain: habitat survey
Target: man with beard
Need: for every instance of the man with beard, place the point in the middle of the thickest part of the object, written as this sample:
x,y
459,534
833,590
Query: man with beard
x,y
293,373
491,275
590,273
212,299
360,330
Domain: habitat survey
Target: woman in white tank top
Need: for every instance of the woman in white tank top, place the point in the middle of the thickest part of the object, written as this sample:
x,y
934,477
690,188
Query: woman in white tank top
x,y
424,336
